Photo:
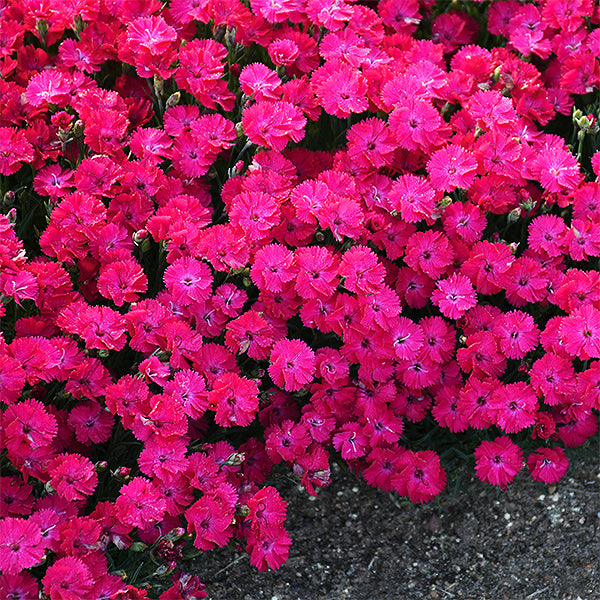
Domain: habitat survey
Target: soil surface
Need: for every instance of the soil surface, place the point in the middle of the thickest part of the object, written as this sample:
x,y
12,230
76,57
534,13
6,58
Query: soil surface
x,y
531,542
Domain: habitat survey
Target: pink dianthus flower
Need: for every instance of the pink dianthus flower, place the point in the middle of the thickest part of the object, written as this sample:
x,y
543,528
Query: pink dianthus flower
x,y
548,465
452,167
454,296
292,364
498,461
273,124
21,545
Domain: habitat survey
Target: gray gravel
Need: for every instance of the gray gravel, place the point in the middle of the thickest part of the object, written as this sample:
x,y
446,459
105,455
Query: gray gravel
x,y
531,542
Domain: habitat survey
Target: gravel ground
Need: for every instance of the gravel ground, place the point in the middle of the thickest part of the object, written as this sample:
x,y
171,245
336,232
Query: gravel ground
x,y
530,542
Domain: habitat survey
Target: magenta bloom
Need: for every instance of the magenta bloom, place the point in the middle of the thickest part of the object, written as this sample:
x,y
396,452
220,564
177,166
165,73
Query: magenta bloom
x,y
140,503
266,509
454,296
209,522
188,280
292,364
269,549
452,167
20,545
413,198
73,476
317,275
514,406
273,268
19,586
235,400
429,251
498,461
68,579
351,441
122,281
250,333
547,233
580,332
407,338
361,270
548,465
14,150
260,82
273,124
420,475
516,333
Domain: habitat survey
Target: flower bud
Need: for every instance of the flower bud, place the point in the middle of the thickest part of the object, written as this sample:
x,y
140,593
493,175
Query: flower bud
x,y
41,26
122,473
78,128
162,570
229,37
141,240
138,547
235,459
528,205
514,215
159,85
78,24
173,100
9,198
175,534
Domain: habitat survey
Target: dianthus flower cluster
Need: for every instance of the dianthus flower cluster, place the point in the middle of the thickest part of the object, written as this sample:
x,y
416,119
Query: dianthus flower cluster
x,y
239,238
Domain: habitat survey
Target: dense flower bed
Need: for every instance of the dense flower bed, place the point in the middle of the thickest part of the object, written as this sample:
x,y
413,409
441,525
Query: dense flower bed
x,y
239,237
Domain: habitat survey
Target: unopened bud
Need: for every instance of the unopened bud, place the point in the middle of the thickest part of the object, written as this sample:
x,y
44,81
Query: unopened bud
x,y
141,240
528,205
445,202
9,198
175,534
229,37
162,570
139,236
235,459
514,215
12,215
78,128
159,84
237,168
78,24
219,33
41,26
122,473
138,547
100,466
173,100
